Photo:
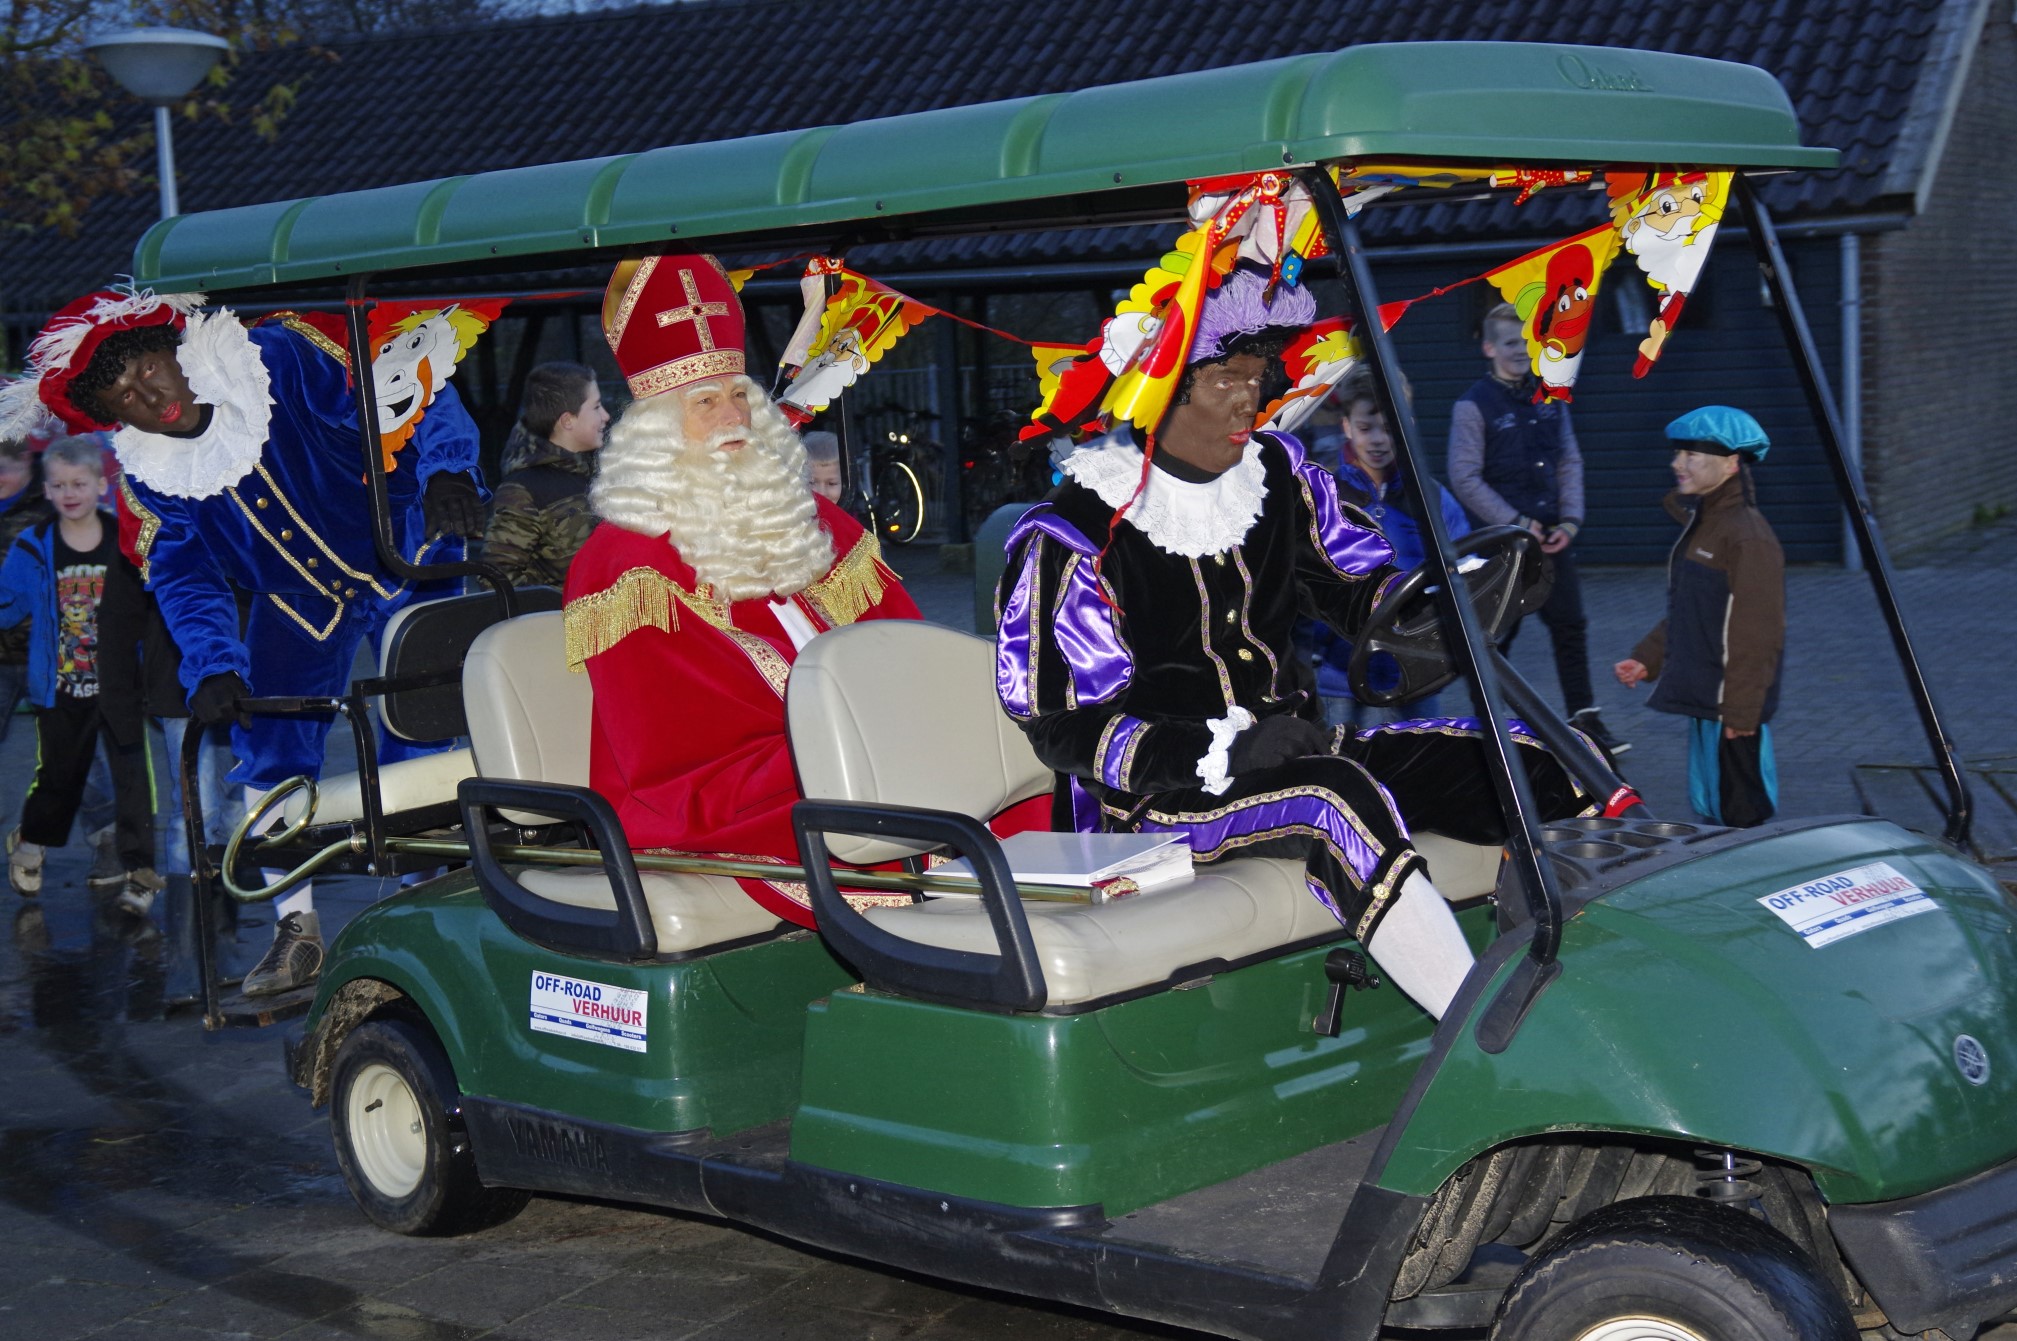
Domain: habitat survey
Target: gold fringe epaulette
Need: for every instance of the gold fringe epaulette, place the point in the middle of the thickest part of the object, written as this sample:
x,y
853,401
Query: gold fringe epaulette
x,y
641,598
854,585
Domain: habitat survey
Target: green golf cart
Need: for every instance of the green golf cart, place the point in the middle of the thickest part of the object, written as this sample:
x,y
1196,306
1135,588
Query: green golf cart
x,y
1702,1084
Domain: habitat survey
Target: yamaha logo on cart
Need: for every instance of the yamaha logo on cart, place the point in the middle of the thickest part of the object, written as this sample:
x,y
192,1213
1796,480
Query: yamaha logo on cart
x,y
1972,1058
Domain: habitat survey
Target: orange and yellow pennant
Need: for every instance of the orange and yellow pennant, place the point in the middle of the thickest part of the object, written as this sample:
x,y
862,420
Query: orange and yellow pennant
x,y
1554,291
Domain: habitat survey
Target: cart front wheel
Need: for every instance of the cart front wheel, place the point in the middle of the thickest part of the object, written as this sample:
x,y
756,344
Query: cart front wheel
x,y
407,1169
1672,1269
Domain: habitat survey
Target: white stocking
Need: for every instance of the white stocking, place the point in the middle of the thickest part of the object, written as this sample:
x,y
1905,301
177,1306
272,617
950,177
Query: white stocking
x,y
1420,947
301,899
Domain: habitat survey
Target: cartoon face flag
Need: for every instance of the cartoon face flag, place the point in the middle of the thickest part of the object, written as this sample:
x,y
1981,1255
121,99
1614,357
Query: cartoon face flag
x,y
1554,290
414,350
1667,220
1318,360
860,323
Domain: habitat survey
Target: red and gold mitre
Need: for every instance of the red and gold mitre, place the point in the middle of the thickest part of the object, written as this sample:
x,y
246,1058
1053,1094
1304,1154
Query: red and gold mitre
x,y
673,321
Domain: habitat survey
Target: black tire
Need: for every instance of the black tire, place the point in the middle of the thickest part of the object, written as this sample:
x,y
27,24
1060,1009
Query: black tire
x,y
406,1165
1686,1268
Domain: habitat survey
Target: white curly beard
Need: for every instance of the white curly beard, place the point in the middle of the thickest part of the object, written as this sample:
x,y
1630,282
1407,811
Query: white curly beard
x,y
744,520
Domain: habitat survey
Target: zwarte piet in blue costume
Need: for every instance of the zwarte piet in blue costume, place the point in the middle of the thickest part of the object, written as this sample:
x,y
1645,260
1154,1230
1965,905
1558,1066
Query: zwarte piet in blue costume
x,y
243,466
1146,615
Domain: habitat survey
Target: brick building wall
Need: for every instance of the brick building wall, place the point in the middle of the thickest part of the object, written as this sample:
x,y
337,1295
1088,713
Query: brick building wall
x,y
1940,322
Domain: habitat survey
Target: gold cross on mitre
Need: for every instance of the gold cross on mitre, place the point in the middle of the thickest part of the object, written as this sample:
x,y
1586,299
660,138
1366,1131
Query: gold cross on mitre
x,y
695,310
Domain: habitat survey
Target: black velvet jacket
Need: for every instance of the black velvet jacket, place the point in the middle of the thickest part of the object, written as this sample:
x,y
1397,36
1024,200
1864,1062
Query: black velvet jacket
x,y
1123,699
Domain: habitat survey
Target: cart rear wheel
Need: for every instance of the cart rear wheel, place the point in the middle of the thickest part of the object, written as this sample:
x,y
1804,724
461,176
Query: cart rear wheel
x,y
409,1171
1672,1269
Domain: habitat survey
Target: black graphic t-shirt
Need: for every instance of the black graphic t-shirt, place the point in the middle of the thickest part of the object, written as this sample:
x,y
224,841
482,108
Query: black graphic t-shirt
x,y
80,585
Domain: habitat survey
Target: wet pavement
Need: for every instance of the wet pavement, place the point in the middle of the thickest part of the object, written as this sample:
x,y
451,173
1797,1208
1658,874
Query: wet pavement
x,y
160,1183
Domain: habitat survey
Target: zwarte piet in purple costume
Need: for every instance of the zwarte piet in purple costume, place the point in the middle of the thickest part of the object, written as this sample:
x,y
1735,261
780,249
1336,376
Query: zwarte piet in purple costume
x,y
1140,655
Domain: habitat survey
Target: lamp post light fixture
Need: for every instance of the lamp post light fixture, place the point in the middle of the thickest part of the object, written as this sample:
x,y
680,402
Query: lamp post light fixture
x,y
159,66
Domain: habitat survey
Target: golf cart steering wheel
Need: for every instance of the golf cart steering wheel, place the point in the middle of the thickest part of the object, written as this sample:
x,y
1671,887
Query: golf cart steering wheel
x,y
1507,577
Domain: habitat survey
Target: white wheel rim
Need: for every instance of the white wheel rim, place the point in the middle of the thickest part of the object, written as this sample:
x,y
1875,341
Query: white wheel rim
x,y
388,1138
1640,1329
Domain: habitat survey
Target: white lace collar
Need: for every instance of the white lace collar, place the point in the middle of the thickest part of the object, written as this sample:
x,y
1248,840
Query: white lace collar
x,y
1178,517
226,373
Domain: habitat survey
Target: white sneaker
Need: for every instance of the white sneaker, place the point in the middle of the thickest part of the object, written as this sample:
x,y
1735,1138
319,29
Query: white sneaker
x,y
136,894
24,866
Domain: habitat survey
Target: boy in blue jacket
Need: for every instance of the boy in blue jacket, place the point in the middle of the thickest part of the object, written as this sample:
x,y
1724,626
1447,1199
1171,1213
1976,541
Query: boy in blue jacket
x,y
1370,479
55,577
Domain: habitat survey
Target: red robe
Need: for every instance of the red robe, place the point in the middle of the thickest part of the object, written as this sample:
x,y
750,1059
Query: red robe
x,y
689,732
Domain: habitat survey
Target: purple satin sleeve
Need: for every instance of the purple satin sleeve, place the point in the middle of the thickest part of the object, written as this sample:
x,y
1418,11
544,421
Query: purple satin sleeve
x,y
1353,550
1081,627
1012,645
1116,752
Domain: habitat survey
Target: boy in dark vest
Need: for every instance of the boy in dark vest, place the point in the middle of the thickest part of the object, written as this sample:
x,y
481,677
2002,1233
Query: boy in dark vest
x,y
1716,656
1515,462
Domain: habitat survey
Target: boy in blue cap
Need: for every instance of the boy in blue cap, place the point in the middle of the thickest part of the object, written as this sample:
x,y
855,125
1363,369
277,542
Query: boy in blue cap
x,y
1717,654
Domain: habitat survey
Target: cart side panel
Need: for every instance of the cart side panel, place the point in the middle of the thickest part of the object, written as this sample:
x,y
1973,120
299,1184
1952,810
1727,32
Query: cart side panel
x,y
1689,1011
711,1043
1121,1106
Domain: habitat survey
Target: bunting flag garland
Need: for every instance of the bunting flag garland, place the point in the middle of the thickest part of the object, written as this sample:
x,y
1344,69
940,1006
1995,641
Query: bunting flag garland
x,y
1316,361
1667,221
858,324
414,350
1530,180
1130,371
1553,290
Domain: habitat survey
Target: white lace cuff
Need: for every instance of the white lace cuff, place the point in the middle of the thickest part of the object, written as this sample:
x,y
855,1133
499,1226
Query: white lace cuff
x,y
1213,767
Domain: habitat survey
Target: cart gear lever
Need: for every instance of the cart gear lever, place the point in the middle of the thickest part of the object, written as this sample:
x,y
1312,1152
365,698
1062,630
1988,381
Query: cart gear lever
x,y
1348,971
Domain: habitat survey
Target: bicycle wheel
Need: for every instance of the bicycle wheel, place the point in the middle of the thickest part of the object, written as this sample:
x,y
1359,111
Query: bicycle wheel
x,y
899,503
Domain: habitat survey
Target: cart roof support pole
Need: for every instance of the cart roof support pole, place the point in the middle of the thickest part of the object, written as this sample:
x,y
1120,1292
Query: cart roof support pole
x,y
1849,484
1469,648
365,396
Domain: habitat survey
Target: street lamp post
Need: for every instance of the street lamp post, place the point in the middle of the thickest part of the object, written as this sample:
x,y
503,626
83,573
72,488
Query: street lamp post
x,y
159,66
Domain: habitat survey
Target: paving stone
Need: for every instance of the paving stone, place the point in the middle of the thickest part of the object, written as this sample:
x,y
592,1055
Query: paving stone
x,y
482,1294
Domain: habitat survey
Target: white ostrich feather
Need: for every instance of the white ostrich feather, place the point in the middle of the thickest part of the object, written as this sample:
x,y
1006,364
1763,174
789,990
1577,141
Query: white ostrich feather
x,y
22,413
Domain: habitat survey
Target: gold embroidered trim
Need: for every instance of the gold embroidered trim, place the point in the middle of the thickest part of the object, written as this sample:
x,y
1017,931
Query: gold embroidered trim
x,y
853,586
769,662
1205,635
628,303
320,543
1128,756
1106,742
693,368
640,598
314,583
1247,630
150,526
1057,614
643,597
293,322
321,634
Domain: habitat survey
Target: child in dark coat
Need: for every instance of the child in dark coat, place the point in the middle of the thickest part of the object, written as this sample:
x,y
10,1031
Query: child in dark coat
x,y
1716,656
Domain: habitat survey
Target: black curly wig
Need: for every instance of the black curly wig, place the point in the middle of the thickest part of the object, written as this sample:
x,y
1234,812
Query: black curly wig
x,y
108,362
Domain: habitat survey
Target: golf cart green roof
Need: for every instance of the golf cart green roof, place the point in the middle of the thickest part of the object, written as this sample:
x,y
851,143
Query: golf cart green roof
x,y
1496,102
